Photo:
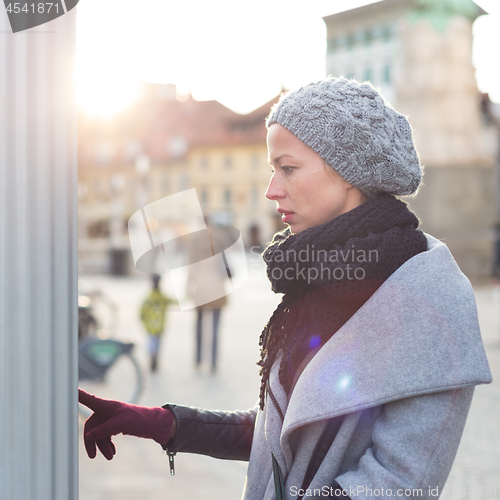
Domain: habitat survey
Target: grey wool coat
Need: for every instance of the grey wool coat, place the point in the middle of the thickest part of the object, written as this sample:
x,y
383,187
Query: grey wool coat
x,y
401,373
399,378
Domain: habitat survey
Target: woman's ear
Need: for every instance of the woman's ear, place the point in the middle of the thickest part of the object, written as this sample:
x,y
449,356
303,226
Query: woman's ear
x,y
358,195
363,196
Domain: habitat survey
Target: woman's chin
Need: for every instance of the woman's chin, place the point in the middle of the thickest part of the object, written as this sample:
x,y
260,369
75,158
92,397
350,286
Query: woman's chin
x,y
295,228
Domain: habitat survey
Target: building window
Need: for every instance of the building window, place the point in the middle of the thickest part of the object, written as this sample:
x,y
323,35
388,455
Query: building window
x,y
368,37
255,162
177,146
98,229
227,196
98,187
116,184
131,150
183,182
387,73
204,196
254,196
332,45
82,190
386,33
104,152
350,41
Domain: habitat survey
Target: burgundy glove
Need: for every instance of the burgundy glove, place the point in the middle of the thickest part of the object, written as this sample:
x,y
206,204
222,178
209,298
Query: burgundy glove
x,y
114,417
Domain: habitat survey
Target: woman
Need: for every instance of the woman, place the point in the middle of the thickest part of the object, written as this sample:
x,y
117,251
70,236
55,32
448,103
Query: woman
x,y
369,362
206,285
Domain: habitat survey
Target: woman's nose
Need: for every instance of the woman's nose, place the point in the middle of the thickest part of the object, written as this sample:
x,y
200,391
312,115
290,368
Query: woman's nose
x,y
274,191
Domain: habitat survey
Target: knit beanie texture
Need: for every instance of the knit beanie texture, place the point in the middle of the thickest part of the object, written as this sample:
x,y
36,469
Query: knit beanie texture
x,y
355,131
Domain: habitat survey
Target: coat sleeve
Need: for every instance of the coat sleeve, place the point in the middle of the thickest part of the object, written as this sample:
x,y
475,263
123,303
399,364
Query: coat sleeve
x,y
415,441
219,434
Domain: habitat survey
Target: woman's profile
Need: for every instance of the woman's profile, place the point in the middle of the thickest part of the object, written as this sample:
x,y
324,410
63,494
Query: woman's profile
x,y
368,364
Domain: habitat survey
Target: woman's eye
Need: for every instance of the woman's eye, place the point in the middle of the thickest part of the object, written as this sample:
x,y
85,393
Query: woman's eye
x,y
287,170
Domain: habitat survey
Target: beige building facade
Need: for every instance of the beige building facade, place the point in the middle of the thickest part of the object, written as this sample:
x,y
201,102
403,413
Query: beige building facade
x,y
163,146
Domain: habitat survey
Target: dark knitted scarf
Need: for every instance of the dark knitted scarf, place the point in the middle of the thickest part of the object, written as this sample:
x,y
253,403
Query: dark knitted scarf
x,y
327,273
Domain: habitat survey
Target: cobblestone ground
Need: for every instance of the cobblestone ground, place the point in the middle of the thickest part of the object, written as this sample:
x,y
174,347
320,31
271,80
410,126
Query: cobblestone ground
x,y
140,468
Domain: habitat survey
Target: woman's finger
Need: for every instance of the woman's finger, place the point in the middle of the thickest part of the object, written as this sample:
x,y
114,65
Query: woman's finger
x,y
105,408
90,446
106,430
89,400
106,447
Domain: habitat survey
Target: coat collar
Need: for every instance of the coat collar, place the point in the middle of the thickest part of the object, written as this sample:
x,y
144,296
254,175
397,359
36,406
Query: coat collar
x,y
276,407
417,334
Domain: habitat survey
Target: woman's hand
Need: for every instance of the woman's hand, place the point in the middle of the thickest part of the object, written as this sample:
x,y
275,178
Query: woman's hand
x,y
114,417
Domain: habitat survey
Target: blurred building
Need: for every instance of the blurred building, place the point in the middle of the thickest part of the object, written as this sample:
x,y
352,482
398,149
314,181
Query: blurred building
x,y
160,146
419,54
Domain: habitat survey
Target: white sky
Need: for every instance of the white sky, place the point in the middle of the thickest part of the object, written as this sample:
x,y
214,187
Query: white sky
x,y
239,53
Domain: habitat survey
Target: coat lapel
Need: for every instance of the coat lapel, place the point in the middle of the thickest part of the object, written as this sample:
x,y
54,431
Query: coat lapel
x,y
417,334
276,408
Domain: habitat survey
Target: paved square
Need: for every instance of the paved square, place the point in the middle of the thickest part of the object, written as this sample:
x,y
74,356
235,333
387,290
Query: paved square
x,y
140,469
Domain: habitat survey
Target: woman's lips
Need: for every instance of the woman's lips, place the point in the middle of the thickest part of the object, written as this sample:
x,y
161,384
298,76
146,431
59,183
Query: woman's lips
x,y
286,215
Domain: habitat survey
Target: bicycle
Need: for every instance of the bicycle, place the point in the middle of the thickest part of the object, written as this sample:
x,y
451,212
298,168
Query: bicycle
x,y
106,367
109,369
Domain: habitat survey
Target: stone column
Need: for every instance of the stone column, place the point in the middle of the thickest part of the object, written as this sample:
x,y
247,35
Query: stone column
x,y
38,262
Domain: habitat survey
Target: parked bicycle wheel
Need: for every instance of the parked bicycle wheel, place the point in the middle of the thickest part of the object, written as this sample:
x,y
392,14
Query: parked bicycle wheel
x,y
108,369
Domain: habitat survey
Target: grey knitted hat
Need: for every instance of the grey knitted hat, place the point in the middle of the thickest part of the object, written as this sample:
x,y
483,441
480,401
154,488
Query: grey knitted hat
x,y
352,128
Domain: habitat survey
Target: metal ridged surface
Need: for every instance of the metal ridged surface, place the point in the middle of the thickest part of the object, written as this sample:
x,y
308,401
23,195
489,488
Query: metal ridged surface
x,y
38,272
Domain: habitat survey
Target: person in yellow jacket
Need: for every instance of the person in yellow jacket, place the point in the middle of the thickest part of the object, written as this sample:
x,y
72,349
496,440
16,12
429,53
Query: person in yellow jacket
x,y
153,314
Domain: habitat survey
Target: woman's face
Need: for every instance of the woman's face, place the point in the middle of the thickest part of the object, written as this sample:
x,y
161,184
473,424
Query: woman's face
x,y
306,190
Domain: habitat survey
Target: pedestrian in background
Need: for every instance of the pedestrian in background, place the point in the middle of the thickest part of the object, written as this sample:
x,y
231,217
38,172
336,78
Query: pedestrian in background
x,y
153,315
369,362
206,286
